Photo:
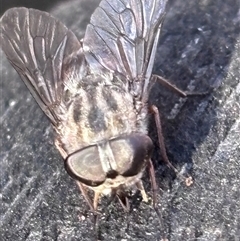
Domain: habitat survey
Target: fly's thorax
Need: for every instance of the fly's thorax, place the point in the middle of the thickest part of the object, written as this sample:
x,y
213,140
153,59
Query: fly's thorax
x,y
111,164
99,112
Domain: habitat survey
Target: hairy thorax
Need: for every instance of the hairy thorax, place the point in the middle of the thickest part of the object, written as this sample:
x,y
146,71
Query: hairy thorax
x,y
98,113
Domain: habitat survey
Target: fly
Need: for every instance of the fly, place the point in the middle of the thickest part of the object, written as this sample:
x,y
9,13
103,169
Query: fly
x,y
94,91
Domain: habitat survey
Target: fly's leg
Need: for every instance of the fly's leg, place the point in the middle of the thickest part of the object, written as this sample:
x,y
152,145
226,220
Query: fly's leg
x,y
95,200
153,184
140,187
155,111
123,200
154,191
170,86
175,89
86,196
93,205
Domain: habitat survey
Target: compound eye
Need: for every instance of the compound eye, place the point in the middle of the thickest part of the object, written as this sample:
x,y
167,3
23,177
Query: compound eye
x,y
85,166
131,153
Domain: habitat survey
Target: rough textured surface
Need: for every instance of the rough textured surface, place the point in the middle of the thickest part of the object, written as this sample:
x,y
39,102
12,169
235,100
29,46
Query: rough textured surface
x,y
199,50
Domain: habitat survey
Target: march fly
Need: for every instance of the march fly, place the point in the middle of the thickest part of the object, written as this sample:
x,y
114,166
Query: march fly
x,y
94,91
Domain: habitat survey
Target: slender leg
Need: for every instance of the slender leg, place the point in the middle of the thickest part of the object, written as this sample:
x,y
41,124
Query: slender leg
x,y
124,202
188,180
155,111
153,182
93,206
167,84
174,88
140,187
86,196
95,200
154,190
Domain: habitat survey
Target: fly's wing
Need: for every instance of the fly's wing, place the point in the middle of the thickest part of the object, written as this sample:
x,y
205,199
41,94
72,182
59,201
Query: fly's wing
x,y
36,45
122,37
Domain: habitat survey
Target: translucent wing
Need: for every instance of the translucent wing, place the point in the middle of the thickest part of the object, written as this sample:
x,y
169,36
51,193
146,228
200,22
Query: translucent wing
x,y
122,37
36,45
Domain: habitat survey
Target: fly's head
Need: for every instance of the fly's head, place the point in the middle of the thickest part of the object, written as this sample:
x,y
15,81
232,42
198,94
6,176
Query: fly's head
x,y
111,165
